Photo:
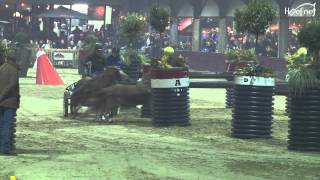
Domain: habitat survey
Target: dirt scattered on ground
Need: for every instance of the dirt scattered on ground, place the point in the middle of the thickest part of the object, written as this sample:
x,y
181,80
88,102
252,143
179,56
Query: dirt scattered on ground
x,y
52,147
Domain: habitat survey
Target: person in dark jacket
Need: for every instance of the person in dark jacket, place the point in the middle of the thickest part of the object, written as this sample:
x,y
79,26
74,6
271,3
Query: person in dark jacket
x,y
9,102
96,61
114,59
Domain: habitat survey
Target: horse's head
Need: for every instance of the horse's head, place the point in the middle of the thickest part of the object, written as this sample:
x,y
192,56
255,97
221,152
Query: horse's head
x,y
117,75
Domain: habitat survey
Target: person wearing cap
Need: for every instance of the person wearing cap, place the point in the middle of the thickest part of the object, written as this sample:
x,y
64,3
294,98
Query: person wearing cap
x,y
9,101
96,60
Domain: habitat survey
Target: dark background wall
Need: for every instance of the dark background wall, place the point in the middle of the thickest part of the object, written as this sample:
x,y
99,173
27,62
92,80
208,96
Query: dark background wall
x,y
215,62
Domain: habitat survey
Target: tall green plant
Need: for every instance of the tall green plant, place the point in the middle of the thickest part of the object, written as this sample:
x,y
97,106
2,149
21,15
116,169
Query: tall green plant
x,y
3,50
131,28
317,17
255,18
129,56
89,41
159,19
22,38
304,73
309,36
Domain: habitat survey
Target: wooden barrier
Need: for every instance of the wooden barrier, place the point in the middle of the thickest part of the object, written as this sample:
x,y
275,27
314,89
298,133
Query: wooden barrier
x,y
66,58
215,62
209,75
210,84
281,88
219,80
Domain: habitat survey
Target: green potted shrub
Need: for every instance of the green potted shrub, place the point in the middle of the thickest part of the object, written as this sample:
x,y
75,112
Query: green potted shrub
x,y
131,63
87,48
23,52
304,83
159,20
131,30
255,18
89,42
170,90
3,50
253,85
237,58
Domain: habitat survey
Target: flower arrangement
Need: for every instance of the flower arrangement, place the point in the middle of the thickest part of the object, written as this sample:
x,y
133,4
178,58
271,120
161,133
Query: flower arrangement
x,y
304,65
129,56
238,56
254,70
168,61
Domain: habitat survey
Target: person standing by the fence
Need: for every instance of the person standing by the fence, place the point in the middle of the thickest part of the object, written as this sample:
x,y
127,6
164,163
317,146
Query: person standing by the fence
x,y
9,102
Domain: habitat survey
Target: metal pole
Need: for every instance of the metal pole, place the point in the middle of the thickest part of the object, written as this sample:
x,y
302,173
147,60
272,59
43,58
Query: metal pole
x,y
15,17
69,32
104,15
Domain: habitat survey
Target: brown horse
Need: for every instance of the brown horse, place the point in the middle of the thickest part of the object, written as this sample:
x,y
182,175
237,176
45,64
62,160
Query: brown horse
x,y
107,99
89,87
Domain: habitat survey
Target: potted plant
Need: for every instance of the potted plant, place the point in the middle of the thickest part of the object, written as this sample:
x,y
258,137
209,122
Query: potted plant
x,y
131,30
237,58
255,18
87,48
159,20
253,84
169,90
253,102
131,63
304,83
23,52
3,50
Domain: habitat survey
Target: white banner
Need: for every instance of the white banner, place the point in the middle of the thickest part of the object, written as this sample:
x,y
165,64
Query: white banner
x,y
170,83
63,56
254,81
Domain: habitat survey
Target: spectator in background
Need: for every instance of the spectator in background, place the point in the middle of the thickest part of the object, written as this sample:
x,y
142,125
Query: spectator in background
x,y
114,59
246,43
62,44
76,34
47,45
270,51
102,34
96,32
63,36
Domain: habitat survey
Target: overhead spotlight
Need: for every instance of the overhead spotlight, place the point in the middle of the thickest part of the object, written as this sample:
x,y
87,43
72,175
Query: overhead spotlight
x,y
22,4
6,5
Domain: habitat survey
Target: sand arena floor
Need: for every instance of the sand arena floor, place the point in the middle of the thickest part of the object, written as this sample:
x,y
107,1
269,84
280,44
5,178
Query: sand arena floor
x,y
51,147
